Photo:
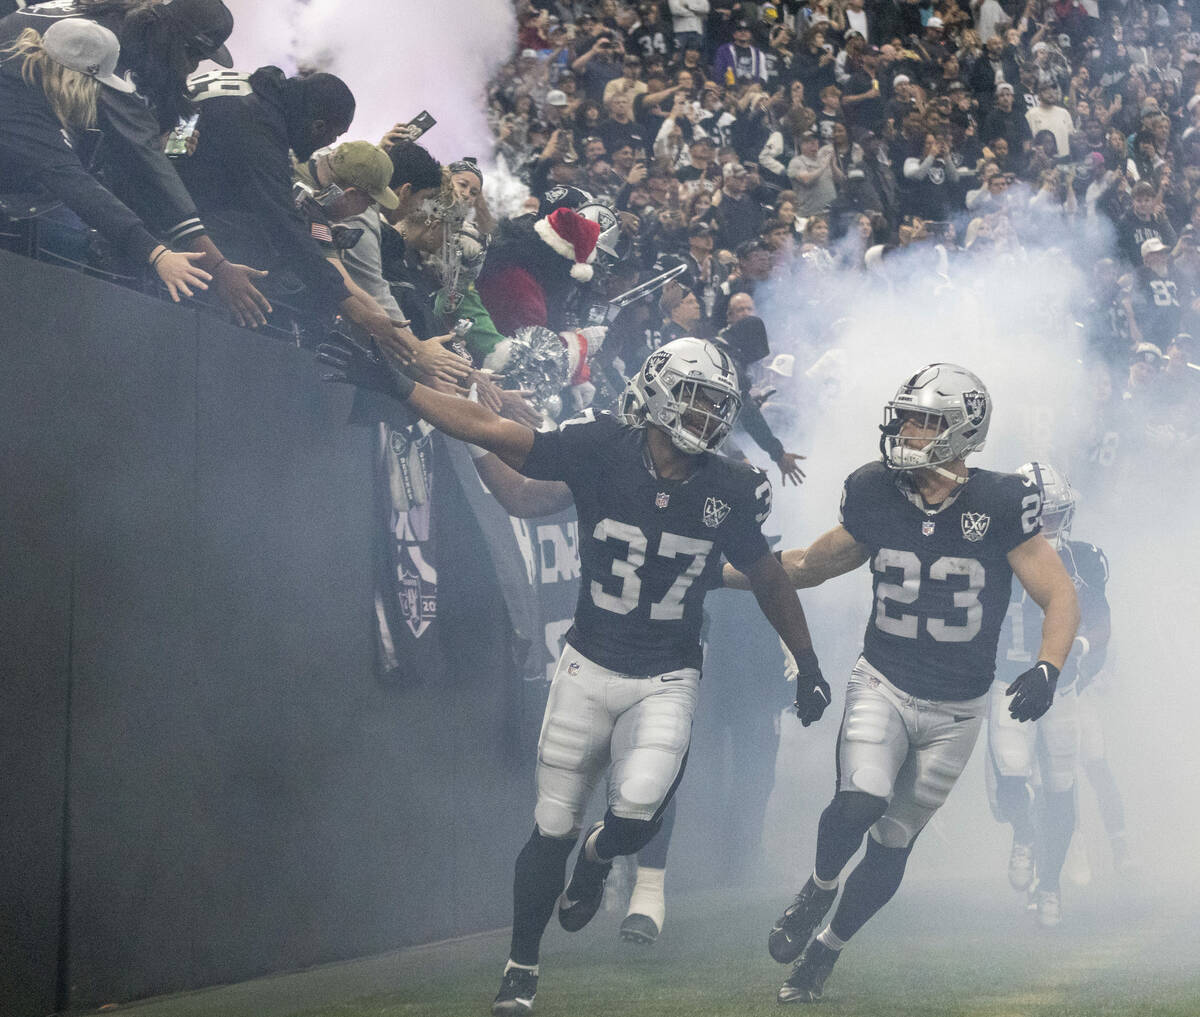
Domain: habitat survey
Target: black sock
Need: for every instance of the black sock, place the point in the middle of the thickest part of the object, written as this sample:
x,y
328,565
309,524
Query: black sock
x,y
1012,800
1056,820
840,831
1112,809
654,854
540,874
871,885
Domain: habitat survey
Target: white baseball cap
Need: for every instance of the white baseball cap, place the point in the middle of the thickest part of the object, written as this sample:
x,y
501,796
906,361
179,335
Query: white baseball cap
x,y
934,22
1152,246
87,47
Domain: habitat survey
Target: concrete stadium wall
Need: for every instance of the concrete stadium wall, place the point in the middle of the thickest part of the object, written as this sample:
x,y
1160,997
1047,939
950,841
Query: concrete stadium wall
x,y
203,778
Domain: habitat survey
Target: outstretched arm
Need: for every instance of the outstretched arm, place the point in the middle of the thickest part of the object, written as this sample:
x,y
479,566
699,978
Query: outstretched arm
x,y
519,495
832,554
451,414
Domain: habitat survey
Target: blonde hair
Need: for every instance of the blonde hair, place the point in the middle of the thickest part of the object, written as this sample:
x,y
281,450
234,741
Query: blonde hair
x,y
71,94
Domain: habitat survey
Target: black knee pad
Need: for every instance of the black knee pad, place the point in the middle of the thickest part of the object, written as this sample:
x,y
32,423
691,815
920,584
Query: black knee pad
x,y
856,810
625,836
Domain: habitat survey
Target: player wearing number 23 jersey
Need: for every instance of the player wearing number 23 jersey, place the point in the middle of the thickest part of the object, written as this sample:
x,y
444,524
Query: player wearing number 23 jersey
x,y
941,578
943,542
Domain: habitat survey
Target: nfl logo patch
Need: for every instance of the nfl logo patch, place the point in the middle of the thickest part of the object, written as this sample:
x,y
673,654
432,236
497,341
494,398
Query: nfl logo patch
x,y
573,668
927,528
661,500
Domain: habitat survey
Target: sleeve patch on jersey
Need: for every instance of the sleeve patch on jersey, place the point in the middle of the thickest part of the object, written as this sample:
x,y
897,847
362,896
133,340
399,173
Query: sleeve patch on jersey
x,y
715,512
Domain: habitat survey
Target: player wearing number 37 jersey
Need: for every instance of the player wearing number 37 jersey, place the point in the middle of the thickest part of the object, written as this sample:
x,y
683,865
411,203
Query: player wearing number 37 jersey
x,y
943,542
657,513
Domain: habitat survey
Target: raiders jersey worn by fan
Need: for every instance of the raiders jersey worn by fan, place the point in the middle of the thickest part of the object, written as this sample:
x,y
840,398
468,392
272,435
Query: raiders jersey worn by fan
x,y
941,578
1087,566
649,548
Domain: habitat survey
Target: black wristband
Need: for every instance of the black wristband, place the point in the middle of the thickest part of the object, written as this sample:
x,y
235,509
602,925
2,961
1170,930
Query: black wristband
x,y
1052,672
806,664
404,384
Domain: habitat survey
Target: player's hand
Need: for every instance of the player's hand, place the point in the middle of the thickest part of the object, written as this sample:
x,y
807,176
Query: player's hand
x,y
812,690
516,407
235,287
1033,692
357,365
789,466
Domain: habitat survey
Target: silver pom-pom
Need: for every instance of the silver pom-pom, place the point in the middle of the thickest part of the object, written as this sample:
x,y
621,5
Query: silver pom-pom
x,y
537,360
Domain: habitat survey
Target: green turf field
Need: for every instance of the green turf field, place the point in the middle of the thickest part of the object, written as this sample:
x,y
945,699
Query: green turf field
x,y
935,951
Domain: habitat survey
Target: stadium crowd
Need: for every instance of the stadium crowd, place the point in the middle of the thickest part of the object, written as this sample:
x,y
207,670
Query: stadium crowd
x,y
736,141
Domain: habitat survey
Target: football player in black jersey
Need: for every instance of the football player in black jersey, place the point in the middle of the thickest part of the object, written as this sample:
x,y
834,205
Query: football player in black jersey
x,y
1041,846
944,542
657,512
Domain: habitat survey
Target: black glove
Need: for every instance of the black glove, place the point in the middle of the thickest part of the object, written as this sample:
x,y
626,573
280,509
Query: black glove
x,y
362,366
1033,692
812,690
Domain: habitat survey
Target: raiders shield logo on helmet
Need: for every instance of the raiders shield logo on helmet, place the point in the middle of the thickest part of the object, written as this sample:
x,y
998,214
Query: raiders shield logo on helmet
x,y
975,525
975,403
655,363
715,512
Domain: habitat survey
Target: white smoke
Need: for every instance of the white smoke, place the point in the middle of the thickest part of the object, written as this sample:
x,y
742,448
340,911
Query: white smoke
x,y
399,57
1013,321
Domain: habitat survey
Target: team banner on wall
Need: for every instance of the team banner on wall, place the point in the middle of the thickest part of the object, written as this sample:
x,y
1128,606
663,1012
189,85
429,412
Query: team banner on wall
x,y
406,561
537,565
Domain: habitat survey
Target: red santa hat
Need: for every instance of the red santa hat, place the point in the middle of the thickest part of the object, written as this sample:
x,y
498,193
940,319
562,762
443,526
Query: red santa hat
x,y
572,236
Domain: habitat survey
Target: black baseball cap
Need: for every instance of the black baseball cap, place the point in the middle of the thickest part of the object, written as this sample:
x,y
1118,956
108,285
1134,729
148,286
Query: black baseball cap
x,y
700,228
206,24
748,247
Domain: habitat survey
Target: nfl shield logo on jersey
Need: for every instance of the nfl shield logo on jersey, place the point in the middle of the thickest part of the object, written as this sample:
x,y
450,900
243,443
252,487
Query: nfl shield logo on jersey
x,y
975,525
662,500
715,512
927,528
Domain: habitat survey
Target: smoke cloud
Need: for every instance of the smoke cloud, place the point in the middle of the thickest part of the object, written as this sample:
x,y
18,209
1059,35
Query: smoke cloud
x,y
398,57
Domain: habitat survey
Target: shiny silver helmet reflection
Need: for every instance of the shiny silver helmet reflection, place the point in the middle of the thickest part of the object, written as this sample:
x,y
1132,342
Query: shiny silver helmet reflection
x,y
689,388
1058,500
942,396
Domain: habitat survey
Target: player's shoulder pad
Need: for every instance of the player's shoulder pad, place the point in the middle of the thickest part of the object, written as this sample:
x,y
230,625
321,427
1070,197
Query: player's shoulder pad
x,y
1091,564
590,416
868,479
1005,490
746,483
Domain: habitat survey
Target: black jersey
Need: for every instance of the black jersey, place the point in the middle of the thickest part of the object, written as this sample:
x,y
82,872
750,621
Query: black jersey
x,y
941,579
649,549
1020,637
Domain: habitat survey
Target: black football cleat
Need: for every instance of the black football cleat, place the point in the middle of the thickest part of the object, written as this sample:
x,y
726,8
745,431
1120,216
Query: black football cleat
x,y
807,980
517,989
639,929
796,925
581,899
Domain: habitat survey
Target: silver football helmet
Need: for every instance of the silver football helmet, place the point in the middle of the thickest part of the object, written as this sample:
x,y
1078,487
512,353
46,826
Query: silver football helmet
x,y
1058,500
631,407
944,397
610,227
689,388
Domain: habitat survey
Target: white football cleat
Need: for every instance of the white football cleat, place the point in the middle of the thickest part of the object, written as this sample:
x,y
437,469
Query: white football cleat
x,y
1020,866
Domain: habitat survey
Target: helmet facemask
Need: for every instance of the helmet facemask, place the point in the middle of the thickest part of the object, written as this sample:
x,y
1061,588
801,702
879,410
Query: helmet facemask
x,y
702,418
898,453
